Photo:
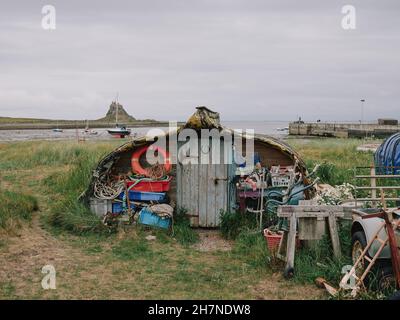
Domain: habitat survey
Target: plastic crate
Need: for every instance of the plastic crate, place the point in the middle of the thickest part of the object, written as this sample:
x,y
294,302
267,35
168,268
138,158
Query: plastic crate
x,y
151,219
282,176
100,207
144,196
117,207
151,186
280,181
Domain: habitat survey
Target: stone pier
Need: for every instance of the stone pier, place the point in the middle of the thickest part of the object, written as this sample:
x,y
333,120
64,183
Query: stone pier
x,y
342,130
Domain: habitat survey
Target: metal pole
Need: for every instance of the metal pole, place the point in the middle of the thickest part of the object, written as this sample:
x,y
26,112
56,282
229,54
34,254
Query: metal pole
x,y
362,110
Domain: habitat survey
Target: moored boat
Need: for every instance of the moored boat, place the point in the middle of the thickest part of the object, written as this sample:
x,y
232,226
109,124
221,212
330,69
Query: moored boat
x,y
87,130
120,130
57,129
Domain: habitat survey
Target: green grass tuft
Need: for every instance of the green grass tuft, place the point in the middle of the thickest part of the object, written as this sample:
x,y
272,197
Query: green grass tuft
x,y
233,223
182,231
131,249
67,213
251,247
15,207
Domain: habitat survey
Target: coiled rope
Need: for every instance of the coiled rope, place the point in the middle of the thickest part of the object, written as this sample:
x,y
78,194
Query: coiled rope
x,y
156,171
108,190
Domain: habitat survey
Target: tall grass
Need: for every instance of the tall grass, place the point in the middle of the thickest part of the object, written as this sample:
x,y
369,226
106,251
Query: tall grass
x,y
66,212
250,246
25,155
14,208
319,261
337,157
182,231
233,223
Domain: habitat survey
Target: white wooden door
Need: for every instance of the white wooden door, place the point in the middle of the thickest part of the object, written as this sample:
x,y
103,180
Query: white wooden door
x,y
202,189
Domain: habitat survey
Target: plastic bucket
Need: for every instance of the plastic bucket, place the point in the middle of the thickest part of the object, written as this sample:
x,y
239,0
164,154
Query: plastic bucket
x,y
273,240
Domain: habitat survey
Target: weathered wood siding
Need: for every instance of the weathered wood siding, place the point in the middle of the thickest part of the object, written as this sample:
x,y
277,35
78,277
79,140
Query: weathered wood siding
x,y
202,189
270,156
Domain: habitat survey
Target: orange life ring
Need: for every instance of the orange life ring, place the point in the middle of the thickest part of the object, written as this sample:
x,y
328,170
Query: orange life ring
x,y
135,163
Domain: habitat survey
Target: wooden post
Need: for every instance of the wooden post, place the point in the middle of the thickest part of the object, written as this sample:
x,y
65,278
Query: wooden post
x,y
373,185
333,230
394,251
383,200
291,243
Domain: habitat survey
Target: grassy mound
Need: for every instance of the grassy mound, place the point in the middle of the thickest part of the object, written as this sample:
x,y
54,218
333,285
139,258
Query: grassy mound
x,y
15,208
67,213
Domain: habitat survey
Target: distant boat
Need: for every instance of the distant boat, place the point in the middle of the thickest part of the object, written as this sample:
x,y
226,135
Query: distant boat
x,y
120,130
87,130
57,129
282,129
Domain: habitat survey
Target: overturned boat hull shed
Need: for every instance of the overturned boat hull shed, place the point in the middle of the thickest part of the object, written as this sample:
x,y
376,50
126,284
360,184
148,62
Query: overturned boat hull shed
x,y
203,189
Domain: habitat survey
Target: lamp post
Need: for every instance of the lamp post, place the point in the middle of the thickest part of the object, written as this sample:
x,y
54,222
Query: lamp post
x,y
362,110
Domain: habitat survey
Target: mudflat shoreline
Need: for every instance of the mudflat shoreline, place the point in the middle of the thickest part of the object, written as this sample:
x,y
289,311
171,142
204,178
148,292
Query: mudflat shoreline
x,y
77,125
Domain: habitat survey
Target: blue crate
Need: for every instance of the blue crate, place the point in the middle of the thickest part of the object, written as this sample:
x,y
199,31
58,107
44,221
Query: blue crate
x,y
151,219
117,207
144,196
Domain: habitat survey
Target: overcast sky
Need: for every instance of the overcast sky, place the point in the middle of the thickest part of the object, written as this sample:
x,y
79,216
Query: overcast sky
x,y
248,60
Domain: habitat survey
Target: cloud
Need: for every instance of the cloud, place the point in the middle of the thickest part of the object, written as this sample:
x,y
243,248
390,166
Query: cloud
x,y
262,60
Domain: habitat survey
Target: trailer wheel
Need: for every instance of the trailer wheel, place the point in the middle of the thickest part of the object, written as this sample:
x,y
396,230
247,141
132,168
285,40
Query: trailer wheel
x,y
358,244
386,280
396,296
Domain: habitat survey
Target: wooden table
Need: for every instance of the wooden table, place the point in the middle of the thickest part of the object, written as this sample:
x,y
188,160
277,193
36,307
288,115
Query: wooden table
x,y
293,213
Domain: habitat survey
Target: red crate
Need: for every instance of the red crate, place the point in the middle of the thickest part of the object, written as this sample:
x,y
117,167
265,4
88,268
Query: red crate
x,y
151,186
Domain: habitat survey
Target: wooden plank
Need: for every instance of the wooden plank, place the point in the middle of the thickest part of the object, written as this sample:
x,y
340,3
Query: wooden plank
x,y
375,199
179,175
195,193
378,176
219,192
203,182
203,194
217,154
227,160
333,230
185,191
373,185
317,215
297,209
309,214
308,203
311,228
291,242
281,254
211,193
188,189
179,185
377,188
222,185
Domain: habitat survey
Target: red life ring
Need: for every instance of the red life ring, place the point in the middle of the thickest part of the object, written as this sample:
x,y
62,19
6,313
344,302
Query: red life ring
x,y
135,163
